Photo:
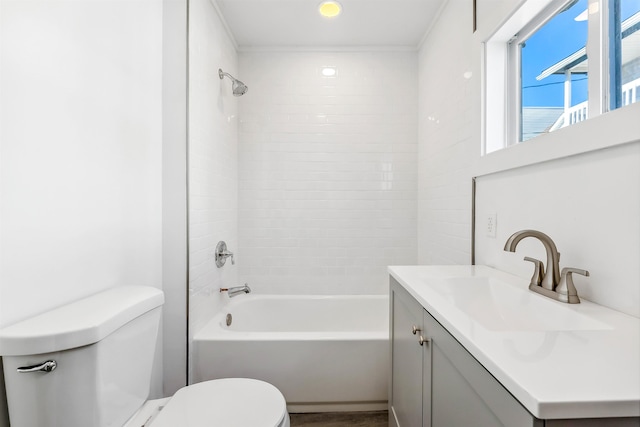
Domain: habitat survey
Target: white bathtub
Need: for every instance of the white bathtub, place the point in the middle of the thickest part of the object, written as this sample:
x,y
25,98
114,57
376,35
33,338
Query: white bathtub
x,y
325,353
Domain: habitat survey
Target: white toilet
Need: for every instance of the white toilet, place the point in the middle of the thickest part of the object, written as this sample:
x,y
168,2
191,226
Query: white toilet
x,y
88,364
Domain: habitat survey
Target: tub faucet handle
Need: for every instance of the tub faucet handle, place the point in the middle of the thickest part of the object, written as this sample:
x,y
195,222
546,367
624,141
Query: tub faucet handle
x,y
222,254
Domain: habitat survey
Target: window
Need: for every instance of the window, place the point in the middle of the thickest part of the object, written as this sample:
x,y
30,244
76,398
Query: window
x,y
625,68
570,61
553,72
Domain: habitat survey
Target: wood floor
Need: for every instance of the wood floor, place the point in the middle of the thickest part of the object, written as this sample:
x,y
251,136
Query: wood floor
x,y
341,419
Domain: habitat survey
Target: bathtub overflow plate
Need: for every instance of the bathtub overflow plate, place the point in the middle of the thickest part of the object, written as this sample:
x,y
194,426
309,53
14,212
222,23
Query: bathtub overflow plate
x,y
229,319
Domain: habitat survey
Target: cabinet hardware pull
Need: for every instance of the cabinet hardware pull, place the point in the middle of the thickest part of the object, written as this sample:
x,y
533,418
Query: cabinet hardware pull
x,y
415,330
423,340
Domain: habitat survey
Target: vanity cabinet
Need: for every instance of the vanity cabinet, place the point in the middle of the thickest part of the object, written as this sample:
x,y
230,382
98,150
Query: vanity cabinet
x,y
438,383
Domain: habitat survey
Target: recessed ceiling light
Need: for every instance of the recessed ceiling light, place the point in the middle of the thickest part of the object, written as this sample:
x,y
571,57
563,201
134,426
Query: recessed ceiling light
x,y
329,71
330,9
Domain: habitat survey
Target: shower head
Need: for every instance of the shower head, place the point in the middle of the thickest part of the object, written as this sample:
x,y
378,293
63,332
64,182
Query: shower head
x,y
237,86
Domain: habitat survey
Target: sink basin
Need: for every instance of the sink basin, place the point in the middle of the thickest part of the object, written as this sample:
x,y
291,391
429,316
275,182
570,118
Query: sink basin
x,y
501,306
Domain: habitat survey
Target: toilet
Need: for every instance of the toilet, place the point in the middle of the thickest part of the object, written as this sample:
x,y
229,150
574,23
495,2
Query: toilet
x,y
89,363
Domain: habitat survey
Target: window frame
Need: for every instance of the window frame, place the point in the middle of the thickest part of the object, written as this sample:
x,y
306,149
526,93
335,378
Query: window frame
x,y
518,28
601,131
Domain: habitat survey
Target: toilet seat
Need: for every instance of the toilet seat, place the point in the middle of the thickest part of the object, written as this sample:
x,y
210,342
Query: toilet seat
x,y
229,402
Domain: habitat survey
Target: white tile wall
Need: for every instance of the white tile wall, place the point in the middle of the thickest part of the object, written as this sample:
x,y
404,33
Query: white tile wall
x,y
213,161
446,139
327,171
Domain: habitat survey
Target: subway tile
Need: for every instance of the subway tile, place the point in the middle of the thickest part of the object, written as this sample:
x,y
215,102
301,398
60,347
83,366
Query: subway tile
x,y
328,170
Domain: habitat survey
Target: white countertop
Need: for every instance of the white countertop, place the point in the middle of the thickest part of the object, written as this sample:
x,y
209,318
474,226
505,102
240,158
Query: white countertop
x,y
593,372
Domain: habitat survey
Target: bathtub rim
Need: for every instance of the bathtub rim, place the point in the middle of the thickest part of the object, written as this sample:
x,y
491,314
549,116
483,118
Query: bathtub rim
x,y
213,329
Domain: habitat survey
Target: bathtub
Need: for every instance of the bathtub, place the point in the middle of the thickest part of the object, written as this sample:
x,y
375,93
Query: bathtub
x,y
324,353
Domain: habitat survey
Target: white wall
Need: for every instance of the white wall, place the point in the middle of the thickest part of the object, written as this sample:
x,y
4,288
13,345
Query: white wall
x,y
80,151
327,170
213,159
589,203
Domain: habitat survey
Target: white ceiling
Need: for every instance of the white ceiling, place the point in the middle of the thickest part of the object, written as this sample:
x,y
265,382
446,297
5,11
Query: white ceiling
x,y
257,24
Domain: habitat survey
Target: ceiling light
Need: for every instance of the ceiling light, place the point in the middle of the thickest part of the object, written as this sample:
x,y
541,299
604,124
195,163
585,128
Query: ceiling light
x,y
329,71
330,8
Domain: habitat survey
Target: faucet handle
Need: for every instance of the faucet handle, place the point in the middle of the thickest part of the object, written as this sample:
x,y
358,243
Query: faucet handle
x,y
221,254
566,289
538,273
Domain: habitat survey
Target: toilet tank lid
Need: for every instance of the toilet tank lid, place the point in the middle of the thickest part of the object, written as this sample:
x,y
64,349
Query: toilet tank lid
x,y
79,323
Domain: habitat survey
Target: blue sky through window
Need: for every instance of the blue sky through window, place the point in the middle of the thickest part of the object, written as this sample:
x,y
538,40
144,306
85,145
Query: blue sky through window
x,y
557,39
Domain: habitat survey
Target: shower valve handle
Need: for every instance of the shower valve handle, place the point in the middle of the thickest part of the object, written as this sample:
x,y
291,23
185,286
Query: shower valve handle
x,y
227,255
222,254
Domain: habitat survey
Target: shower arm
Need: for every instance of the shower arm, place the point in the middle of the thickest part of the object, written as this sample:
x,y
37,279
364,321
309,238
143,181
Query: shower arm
x,y
221,74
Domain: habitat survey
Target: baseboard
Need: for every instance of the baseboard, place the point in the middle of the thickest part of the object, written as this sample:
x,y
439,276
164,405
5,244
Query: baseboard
x,y
308,407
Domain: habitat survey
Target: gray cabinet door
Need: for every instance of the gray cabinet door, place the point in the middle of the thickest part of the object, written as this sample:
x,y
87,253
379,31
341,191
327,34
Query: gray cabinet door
x,y
462,391
405,399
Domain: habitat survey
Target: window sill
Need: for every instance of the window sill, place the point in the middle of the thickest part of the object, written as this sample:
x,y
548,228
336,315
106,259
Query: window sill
x,y
607,130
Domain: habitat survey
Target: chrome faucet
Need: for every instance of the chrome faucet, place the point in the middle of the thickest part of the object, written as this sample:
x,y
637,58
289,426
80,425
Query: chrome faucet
x,y
235,291
551,282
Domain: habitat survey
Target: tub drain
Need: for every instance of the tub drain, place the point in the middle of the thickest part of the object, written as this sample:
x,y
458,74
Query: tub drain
x,y
229,319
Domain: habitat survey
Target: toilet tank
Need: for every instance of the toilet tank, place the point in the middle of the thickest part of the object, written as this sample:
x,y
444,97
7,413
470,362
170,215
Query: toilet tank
x,y
103,347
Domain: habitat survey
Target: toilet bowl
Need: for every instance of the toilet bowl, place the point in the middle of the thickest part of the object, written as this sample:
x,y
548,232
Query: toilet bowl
x,y
89,363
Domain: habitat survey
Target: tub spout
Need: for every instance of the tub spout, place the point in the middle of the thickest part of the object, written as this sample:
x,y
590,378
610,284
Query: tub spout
x,y
235,291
